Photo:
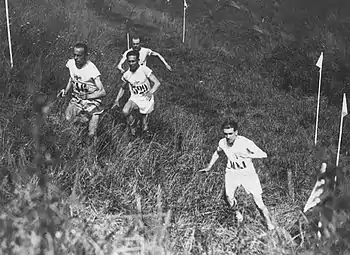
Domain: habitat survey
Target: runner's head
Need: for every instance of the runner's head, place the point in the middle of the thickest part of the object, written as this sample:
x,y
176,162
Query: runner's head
x,y
230,129
133,60
136,43
80,53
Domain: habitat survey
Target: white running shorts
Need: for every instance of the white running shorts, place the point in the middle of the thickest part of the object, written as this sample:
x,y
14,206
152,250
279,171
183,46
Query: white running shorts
x,y
247,177
145,106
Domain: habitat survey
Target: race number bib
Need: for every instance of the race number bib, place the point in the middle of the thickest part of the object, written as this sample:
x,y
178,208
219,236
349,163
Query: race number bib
x,y
81,87
141,89
238,164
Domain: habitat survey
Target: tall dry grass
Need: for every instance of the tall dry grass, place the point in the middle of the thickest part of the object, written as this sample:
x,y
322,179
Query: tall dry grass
x,y
137,196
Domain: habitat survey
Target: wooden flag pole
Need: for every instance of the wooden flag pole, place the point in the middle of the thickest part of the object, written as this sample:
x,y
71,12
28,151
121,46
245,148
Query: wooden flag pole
x,y
9,32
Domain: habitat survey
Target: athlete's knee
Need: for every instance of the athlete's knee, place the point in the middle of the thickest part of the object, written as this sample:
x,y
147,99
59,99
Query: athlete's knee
x,y
126,111
69,116
71,112
128,107
231,200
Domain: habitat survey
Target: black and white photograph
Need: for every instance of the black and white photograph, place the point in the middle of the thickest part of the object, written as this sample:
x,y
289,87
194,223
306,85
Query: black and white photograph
x,y
174,127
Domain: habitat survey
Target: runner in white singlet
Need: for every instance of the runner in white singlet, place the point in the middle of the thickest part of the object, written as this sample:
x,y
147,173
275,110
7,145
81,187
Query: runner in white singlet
x,y
144,53
240,170
138,79
87,89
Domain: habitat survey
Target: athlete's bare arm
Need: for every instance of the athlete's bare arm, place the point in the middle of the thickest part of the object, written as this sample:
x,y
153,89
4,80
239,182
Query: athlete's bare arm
x,y
156,54
100,92
156,84
119,96
121,62
213,159
64,92
253,152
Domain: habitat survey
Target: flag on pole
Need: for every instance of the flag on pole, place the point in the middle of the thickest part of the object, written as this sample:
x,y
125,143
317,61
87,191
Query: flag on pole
x,y
344,110
319,64
320,61
185,5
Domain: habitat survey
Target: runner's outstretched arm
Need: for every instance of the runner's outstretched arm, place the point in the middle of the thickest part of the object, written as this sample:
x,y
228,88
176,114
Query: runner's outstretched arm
x,y
120,64
213,159
253,152
119,96
156,54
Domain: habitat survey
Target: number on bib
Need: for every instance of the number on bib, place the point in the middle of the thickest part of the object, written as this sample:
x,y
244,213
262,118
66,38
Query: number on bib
x,y
81,87
140,89
238,165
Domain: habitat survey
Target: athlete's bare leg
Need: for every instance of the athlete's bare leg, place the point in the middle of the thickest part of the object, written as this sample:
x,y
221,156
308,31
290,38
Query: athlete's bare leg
x,y
259,202
144,118
72,112
130,120
93,125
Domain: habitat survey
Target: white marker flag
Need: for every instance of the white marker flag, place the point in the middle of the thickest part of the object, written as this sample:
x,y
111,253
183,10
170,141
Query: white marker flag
x,y
320,61
344,112
185,4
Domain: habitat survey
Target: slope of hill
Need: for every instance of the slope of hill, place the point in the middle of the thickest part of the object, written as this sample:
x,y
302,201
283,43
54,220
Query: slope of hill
x,y
242,59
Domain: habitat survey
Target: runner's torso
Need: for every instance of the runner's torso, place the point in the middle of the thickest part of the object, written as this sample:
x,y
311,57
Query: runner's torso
x,y
138,81
239,145
84,78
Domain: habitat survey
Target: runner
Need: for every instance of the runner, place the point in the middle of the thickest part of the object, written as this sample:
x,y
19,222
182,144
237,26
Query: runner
x,y
240,170
138,78
144,54
88,90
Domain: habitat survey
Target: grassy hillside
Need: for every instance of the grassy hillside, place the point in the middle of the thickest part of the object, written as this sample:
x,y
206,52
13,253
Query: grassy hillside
x,y
243,59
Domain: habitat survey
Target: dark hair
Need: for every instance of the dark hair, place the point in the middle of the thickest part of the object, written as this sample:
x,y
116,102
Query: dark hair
x,y
135,37
229,123
82,45
133,53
